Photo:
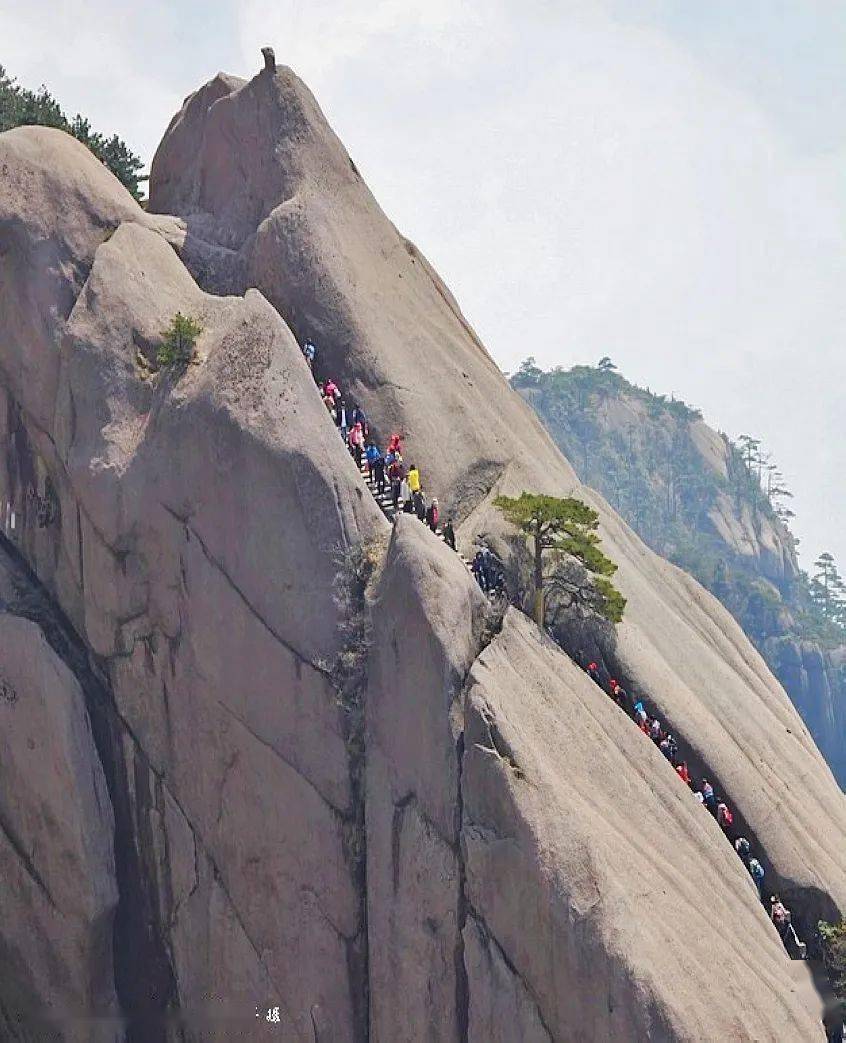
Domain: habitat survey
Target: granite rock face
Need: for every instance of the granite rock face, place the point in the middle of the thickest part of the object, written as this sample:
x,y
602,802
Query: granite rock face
x,y
304,229
59,891
429,616
310,235
188,523
536,870
437,853
816,680
634,921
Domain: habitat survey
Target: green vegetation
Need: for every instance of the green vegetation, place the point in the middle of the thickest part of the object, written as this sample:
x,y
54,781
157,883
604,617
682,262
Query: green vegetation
x,y
827,591
20,107
178,340
833,940
638,449
561,529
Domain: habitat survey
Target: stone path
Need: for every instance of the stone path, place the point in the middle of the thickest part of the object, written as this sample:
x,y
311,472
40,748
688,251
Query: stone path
x,y
386,505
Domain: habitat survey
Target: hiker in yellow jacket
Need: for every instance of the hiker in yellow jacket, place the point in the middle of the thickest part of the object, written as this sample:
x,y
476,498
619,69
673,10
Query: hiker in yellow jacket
x,y
413,480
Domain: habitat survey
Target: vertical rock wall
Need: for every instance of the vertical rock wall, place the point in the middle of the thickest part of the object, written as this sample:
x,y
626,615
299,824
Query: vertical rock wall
x,y
536,871
429,616
59,891
191,533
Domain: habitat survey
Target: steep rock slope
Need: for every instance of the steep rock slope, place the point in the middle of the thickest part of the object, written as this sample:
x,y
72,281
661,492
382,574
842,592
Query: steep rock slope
x,y
536,871
694,498
306,230
187,524
302,227
429,616
56,848
815,679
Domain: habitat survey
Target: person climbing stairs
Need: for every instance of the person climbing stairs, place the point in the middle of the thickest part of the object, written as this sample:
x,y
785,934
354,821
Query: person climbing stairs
x,y
386,505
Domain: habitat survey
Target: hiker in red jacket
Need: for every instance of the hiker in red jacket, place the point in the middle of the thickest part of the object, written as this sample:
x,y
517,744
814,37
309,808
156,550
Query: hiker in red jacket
x,y
725,819
432,515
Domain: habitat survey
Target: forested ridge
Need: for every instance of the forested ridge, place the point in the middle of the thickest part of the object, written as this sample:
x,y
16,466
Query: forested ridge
x,y
715,506
20,107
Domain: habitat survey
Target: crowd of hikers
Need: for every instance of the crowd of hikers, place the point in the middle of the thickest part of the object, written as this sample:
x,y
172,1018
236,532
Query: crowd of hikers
x,y
488,571
393,479
705,794
402,484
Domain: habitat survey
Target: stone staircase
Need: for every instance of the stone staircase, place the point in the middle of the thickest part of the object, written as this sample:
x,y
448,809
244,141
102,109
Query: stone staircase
x,y
386,505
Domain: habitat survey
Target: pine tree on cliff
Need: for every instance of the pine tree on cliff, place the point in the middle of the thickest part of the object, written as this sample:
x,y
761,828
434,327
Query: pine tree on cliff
x,y
558,528
826,583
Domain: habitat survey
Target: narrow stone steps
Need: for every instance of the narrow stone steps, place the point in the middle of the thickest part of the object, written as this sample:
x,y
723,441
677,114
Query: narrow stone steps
x,y
386,505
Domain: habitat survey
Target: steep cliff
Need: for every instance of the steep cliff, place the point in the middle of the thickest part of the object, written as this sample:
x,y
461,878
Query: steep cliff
x,y
302,226
464,837
57,855
187,524
535,873
690,494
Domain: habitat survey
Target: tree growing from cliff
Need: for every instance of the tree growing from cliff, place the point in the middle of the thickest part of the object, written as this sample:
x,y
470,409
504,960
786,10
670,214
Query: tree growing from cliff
x,y
562,529
750,451
178,340
528,374
20,107
826,584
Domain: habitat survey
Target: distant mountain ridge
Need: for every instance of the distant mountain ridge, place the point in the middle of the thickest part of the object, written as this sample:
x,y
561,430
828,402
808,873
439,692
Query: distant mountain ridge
x,y
711,506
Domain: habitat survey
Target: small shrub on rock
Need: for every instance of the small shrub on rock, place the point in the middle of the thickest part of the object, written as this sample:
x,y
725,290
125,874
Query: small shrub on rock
x,y
178,340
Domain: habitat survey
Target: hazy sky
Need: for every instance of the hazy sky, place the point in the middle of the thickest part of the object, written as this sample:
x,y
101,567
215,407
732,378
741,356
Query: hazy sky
x,y
663,181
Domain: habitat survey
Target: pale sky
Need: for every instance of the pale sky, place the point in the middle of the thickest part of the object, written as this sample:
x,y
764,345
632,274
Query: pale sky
x,y
662,181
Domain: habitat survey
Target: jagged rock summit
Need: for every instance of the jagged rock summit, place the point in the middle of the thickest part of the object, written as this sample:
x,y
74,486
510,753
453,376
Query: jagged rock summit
x,y
471,841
